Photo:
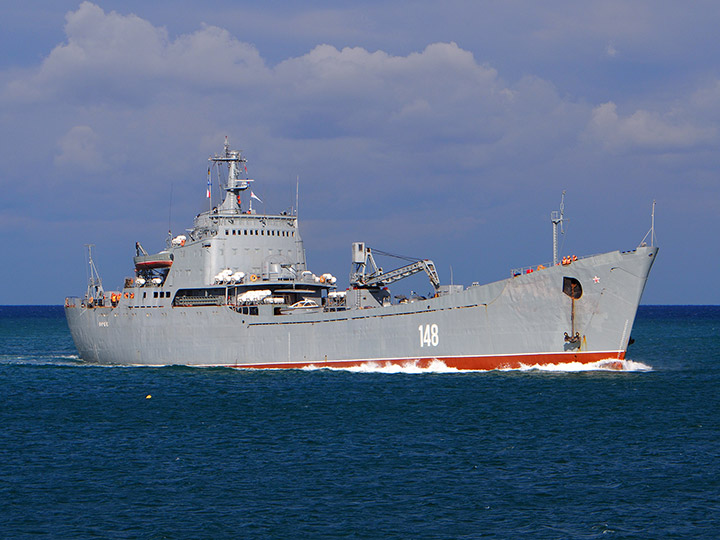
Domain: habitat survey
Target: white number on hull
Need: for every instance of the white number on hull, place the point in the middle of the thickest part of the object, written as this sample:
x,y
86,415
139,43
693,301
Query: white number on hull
x,y
428,335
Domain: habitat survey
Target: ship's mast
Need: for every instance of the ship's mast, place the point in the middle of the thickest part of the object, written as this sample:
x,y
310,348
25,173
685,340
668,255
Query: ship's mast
x,y
95,288
557,221
652,226
651,232
235,183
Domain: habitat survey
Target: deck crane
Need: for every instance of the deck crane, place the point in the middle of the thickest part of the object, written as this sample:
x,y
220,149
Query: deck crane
x,y
367,274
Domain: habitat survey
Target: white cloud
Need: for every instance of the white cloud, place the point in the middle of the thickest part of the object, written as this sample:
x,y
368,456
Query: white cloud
x,y
353,91
706,101
141,89
645,130
116,57
391,123
113,61
78,151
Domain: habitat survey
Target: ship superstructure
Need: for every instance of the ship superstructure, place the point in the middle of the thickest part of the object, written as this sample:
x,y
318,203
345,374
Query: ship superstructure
x,y
235,290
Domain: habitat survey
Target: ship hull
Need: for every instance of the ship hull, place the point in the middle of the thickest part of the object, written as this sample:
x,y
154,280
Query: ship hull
x,y
506,324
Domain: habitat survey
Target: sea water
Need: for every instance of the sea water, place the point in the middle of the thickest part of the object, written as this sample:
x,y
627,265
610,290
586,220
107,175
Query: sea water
x,y
168,453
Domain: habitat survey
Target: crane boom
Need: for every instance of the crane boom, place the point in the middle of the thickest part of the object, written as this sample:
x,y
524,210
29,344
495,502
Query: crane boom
x,y
378,278
404,271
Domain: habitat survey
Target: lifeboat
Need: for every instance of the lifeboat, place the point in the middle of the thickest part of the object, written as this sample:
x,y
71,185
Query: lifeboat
x,y
164,259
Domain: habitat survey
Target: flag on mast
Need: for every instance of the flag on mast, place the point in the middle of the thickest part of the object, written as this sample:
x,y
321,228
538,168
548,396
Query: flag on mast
x,y
208,186
253,196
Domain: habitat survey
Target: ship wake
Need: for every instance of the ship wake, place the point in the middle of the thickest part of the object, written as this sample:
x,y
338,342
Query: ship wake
x,y
38,360
438,366
610,364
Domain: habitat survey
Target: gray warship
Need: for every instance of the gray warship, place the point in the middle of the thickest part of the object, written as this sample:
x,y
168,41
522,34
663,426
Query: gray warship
x,y
235,291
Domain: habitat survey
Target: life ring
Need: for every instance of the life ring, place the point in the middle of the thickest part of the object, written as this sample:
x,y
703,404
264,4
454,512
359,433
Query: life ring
x,y
253,277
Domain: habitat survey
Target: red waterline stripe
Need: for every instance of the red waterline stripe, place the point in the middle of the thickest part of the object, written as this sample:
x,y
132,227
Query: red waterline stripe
x,y
483,363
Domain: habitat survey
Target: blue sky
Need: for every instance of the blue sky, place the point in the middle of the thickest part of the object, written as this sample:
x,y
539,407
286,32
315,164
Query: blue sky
x,y
438,131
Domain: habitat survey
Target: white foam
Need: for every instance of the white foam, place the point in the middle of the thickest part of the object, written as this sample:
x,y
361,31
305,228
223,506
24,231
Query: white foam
x,y
636,366
609,364
438,366
52,360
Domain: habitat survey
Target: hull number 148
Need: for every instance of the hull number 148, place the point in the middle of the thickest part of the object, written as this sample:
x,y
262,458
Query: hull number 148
x,y
428,335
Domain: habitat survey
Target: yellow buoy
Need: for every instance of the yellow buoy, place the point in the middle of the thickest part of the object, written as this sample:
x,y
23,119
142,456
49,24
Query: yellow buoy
x,y
148,396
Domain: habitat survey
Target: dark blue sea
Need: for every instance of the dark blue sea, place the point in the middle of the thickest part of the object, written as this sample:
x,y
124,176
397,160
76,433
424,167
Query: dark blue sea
x,y
175,453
